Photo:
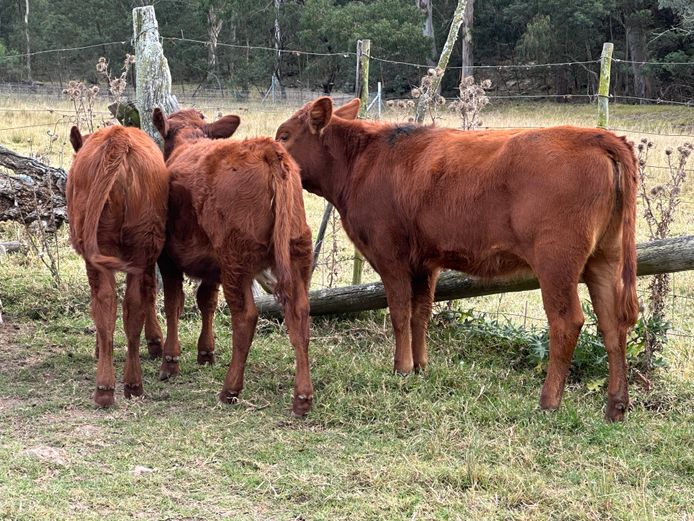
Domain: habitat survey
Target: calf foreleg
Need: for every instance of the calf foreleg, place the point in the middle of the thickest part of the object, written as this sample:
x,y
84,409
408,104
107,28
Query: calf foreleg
x,y
423,286
399,295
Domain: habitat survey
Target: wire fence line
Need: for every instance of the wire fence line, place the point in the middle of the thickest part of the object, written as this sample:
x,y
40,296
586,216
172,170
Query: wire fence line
x,y
277,107
345,54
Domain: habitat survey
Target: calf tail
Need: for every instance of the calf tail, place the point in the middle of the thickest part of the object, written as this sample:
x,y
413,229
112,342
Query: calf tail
x,y
283,180
628,304
105,173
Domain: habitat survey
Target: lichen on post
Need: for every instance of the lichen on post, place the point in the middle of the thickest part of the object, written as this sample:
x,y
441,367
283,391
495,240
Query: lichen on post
x,y
152,75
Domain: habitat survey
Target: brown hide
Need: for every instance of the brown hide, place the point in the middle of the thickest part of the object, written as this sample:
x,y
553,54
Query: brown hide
x,y
236,208
559,202
117,193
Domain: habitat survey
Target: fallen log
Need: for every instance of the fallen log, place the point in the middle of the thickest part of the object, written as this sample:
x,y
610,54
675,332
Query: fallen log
x,y
33,191
661,256
10,247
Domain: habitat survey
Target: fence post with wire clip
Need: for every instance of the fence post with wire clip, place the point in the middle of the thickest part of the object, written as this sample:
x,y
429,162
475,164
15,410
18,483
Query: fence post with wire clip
x,y
604,86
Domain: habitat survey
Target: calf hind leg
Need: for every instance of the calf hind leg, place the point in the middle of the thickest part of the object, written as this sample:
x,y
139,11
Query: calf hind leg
x,y
207,304
135,307
244,317
296,316
563,308
603,282
173,305
103,305
153,333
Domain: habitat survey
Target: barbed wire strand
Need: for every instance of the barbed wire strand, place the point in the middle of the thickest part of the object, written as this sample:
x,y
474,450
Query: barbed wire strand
x,y
458,67
62,49
263,48
657,101
618,60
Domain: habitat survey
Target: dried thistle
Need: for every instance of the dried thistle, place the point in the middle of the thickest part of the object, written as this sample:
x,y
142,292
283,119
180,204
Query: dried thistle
x,y
660,203
472,99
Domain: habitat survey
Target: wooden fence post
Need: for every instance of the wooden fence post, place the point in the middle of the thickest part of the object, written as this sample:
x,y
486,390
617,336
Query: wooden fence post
x,y
604,86
363,55
152,75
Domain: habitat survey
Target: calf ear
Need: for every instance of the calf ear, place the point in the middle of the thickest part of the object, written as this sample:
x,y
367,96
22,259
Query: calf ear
x,y
348,110
75,138
319,114
223,127
160,122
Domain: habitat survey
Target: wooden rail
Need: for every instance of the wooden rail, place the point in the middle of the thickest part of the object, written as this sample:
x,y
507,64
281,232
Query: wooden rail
x,y
662,256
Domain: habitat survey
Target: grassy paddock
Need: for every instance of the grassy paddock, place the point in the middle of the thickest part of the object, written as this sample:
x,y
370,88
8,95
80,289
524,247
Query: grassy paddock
x,y
464,441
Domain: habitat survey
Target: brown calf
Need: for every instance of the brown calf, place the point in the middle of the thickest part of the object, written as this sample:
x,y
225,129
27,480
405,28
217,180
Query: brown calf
x,y
117,193
414,199
236,208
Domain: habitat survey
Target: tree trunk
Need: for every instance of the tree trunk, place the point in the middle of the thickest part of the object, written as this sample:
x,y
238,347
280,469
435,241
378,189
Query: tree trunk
x,y
26,34
423,102
467,46
214,27
661,256
426,7
276,75
636,39
152,75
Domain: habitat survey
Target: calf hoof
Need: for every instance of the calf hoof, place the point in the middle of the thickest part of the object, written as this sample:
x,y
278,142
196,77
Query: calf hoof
x,y
154,348
104,396
205,357
228,396
130,390
420,369
403,369
302,404
169,368
549,403
616,409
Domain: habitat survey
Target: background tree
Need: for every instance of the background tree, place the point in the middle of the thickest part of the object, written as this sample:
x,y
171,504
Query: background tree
x,y
505,32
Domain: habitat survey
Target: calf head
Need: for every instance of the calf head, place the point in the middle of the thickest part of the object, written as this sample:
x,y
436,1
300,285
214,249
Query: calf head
x,y
190,125
302,135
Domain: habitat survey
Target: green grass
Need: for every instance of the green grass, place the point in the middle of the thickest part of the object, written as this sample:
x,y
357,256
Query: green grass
x,y
464,441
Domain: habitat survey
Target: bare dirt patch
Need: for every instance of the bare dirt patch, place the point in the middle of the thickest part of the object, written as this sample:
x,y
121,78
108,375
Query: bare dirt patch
x,y
47,454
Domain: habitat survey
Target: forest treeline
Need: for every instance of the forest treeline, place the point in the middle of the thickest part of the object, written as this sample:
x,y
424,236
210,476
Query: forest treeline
x,y
231,44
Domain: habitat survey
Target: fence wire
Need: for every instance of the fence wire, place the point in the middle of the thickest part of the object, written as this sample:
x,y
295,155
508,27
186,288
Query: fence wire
x,y
337,253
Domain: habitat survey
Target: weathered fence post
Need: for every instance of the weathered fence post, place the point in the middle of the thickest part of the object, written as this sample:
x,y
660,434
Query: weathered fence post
x,y
152,75
604,86
458,17
363,55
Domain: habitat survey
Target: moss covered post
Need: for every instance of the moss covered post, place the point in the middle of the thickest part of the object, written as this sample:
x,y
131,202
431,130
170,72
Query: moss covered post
x,y
604,86
363,56
152,75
